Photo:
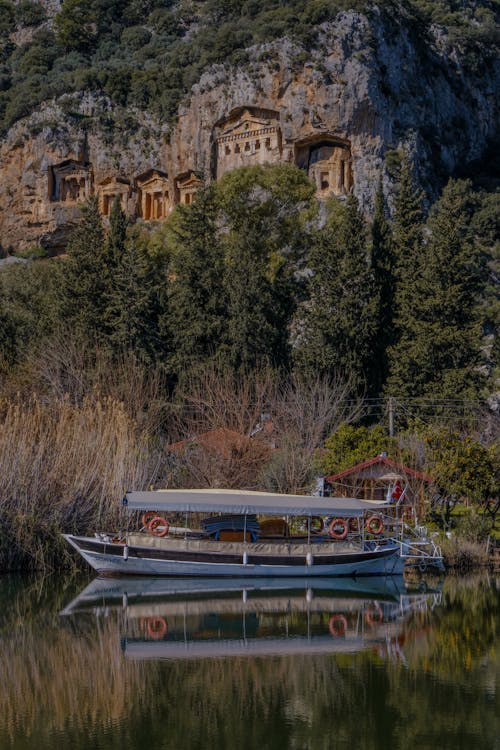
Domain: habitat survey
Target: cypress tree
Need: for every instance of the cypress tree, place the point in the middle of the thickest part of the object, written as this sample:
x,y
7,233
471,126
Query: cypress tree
x,y
407,244
134,304
384,284
86,277
117,235
263,212
254,331
438,349
340,318
196,303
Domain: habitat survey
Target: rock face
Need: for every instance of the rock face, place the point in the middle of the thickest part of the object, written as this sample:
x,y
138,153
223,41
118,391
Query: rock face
x,y
368,87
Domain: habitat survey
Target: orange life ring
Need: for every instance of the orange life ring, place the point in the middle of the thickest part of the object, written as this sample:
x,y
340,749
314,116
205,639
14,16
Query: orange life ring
x,y
158,526
156,627
353,525
337,625
374,615
147,516
332,526
374,525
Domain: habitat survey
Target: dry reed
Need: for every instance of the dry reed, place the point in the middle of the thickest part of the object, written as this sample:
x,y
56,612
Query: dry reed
x,y
64,467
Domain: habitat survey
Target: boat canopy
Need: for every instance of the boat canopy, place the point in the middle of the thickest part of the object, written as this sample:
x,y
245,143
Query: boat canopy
x,y
244,502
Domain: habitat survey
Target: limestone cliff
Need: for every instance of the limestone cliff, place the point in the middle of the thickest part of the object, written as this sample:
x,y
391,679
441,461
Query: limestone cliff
x,y
368,87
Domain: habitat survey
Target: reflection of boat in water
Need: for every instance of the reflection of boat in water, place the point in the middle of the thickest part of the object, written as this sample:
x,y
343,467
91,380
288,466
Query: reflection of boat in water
x,y
197,618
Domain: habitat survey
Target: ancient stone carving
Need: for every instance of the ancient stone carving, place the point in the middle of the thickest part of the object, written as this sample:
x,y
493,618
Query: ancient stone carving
x,y
111,188
248,136
328,162
154,199
187,185
71,181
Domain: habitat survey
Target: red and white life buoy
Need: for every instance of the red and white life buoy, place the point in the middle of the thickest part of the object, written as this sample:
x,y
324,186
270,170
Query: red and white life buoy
x,y
155,627
158,526
147,516
315,524
338,528
374,525
337,625
374,614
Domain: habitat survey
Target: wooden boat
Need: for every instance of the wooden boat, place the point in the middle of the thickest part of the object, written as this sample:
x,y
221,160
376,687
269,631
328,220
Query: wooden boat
x,y
229,549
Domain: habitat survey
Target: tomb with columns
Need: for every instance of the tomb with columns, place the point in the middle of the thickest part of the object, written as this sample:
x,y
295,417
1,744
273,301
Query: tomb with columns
x,y
153,195
328,162
111,188
248,136
71,181
187,185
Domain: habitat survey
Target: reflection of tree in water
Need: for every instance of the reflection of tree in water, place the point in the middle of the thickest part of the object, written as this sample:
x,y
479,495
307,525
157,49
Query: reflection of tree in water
x,y
70,676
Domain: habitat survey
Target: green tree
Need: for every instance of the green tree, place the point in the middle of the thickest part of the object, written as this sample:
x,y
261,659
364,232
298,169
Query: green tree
x,y
74,25
196,312
464,470
264,211
135,303
86,278
117,235
339,322
437,351
30,307
349,445
384,282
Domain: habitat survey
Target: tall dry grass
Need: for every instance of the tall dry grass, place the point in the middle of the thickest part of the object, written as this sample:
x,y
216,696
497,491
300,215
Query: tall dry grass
x,y
65,467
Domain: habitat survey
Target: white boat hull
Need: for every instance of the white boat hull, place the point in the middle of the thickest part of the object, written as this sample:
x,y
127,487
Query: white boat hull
x,y
119,559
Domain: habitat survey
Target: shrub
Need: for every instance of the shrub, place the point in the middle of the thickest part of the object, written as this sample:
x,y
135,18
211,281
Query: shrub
x,y
30,14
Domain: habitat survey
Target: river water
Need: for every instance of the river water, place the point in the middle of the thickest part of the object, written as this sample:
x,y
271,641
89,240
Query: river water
x,y
145,664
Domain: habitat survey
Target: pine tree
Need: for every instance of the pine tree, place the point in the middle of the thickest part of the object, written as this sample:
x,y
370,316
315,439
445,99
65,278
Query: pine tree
x,y
437,353
340,319
384,284
196,302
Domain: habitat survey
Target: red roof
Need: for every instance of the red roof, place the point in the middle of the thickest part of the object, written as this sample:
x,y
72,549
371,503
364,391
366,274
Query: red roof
x,y
378,460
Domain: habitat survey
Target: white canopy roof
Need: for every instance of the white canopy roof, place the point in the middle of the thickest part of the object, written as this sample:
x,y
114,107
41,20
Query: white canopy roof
x,y
245,502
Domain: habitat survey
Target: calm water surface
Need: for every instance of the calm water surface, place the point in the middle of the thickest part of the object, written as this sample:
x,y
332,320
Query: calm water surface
x,y
149,664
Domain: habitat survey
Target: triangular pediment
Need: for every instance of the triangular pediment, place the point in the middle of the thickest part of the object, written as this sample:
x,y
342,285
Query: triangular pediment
x,y
247,124
151,176
188,180
69,166
118,181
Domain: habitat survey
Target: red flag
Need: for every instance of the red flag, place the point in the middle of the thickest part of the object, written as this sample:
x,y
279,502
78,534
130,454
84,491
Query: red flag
x,y
397,491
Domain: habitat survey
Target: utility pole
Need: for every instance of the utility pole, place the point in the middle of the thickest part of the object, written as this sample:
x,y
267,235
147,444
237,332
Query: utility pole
x,y
391,417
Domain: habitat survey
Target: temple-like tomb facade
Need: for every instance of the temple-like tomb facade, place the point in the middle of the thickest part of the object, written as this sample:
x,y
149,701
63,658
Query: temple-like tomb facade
x,y
111,188
187,185
248,136
154,201
328,162
71,181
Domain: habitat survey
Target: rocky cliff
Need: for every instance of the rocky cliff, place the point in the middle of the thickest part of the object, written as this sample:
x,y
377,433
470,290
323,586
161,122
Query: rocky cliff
x,y
370,87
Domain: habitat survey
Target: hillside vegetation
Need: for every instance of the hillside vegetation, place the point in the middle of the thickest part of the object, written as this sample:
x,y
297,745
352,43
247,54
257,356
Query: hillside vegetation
x,y
148,53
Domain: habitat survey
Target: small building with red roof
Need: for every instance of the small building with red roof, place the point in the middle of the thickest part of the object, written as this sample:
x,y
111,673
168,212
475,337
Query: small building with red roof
x,y
378,479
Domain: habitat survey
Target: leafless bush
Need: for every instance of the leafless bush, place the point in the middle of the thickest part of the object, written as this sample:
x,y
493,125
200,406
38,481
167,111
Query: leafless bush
x,y
304,413
256,431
